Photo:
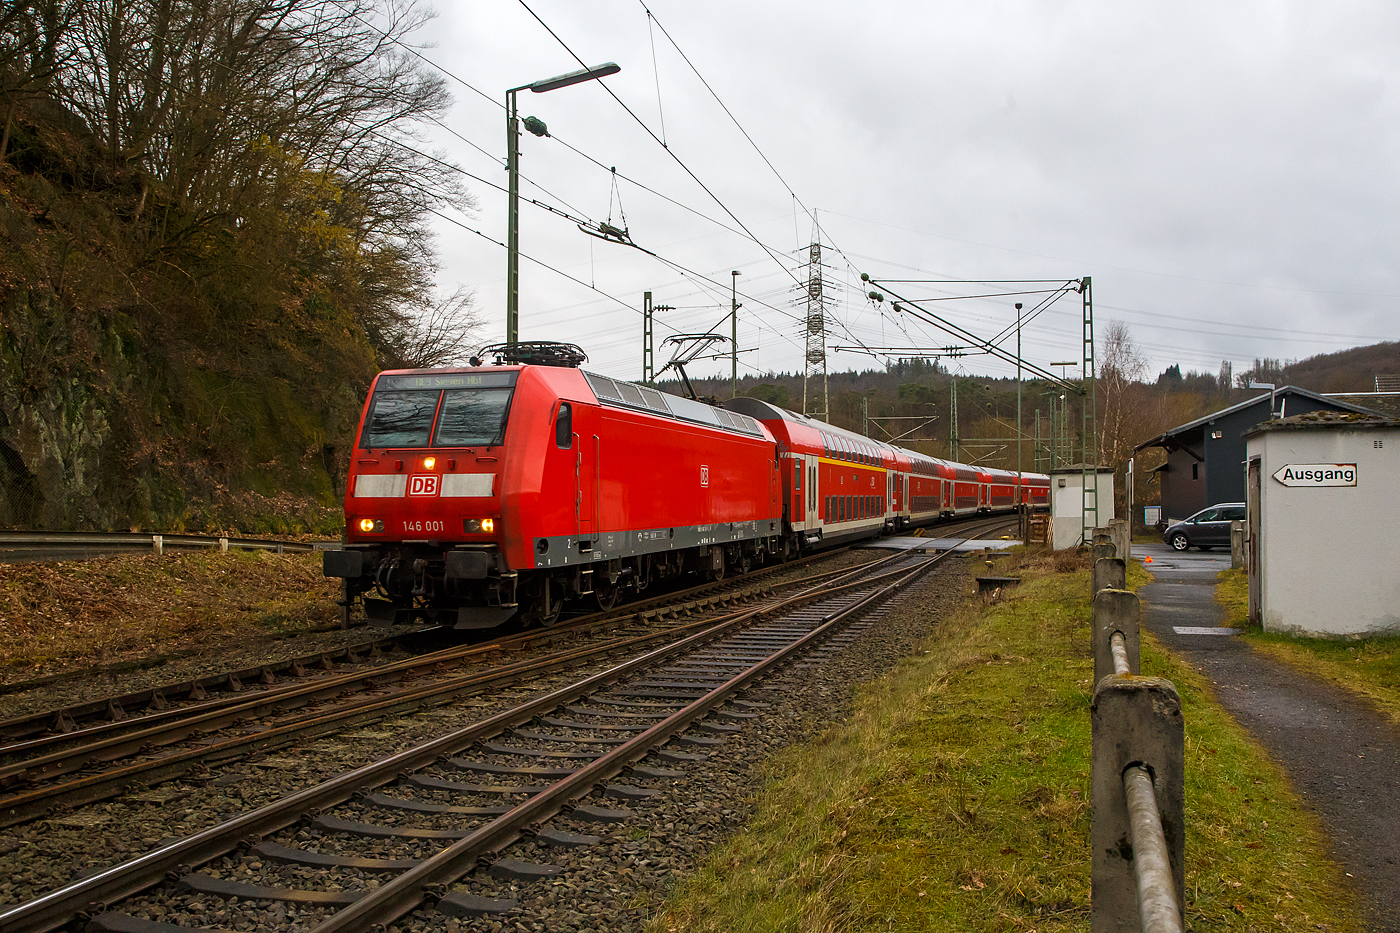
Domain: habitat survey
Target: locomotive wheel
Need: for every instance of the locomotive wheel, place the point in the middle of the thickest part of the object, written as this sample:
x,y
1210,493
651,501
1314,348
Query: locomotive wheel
x,y
605,592
546,591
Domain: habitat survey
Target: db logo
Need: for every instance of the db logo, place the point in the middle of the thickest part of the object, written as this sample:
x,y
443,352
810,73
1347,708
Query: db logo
x,y
424,484
704,475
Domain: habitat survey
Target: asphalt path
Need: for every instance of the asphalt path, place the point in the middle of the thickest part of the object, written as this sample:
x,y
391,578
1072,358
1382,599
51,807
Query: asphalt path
x,y
1343,758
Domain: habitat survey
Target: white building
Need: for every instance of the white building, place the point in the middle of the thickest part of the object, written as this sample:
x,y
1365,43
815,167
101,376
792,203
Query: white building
x,y
1322,551
1067,505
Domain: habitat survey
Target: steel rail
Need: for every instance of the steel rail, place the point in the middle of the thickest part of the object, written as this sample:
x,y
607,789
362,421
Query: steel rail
x,y
583,624
87,897
394,899
217,713
28,805
307,692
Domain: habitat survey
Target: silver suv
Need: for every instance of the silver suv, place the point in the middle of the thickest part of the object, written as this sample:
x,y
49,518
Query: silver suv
x,y
1206,529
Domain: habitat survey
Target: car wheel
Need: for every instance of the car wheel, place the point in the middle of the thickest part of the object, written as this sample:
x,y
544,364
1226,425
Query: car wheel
x,y
1180,542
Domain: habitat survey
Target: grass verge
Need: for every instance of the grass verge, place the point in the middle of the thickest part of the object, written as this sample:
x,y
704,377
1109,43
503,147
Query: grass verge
x,y
57,614
1368,667
955,798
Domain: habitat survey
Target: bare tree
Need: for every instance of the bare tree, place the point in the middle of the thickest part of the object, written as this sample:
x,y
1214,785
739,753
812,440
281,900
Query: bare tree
x,y
289,123
1127,403
443,332
30,35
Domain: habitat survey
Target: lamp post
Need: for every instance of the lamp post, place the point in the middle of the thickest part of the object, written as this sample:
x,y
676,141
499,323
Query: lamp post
x,y
538,128
1064,414
1273,394
734,333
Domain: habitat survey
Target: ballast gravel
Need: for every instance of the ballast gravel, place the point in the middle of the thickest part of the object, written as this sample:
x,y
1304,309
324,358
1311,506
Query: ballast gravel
x,y
613,885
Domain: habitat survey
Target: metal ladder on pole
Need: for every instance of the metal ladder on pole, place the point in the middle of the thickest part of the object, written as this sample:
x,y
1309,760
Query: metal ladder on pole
x,y
1089,437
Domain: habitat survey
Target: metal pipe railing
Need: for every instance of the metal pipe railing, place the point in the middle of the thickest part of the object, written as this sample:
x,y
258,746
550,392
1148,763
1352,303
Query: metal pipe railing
x,y
1118,644
1138,770
1156,889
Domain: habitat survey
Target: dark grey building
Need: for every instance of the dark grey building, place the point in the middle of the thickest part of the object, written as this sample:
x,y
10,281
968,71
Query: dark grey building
x,y
1205,458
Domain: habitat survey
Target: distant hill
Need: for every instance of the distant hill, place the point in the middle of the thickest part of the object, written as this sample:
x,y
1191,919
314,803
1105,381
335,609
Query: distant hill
x,y
1353,370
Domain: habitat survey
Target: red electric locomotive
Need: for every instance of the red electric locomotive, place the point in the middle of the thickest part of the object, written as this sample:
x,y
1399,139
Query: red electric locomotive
x,y
475,494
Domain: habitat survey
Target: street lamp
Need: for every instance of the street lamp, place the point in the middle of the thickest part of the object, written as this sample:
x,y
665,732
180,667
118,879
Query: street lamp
x,y
1273,394
538,128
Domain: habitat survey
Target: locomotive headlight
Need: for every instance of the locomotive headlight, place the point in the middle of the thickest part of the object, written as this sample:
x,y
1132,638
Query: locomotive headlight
x,y
371,525
488,525
477,525
429,462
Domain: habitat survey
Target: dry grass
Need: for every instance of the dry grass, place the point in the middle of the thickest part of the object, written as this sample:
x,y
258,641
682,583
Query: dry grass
x,y
65,614
1367,667
956,797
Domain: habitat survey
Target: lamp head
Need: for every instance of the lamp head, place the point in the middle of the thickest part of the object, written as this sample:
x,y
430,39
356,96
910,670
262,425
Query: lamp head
x,y
575,77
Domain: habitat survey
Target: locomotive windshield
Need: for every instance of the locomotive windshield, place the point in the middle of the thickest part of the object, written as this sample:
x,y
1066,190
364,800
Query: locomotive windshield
x,y
469,411
473,417
400,419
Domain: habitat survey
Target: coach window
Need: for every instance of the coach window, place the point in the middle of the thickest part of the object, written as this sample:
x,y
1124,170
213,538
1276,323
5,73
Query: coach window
x,y
564,427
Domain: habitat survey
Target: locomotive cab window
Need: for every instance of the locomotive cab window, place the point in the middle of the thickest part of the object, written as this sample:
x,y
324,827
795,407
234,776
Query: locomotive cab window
x,y
473,417
400,419
564,427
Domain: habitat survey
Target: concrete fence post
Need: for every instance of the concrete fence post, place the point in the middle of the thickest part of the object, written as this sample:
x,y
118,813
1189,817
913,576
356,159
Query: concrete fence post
x,y
1119,531
223,545
1100,551
1110,573
1236,545
1116,611
157,545
1136,723
1101,536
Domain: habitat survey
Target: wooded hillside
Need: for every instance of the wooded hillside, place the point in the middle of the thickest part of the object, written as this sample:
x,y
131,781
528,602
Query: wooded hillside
x,y
211,235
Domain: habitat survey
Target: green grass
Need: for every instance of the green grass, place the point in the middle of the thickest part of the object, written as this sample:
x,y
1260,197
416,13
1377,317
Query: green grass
x,y
956,799
1368,667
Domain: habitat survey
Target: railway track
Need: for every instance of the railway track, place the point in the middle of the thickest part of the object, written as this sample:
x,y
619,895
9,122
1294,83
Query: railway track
x,y
41,773
102,717
534,775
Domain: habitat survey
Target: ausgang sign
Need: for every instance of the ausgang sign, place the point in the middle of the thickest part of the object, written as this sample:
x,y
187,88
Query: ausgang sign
x,y
1317,474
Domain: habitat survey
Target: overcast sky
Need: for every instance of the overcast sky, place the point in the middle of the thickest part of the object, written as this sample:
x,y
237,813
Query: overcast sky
x,y
1225,172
